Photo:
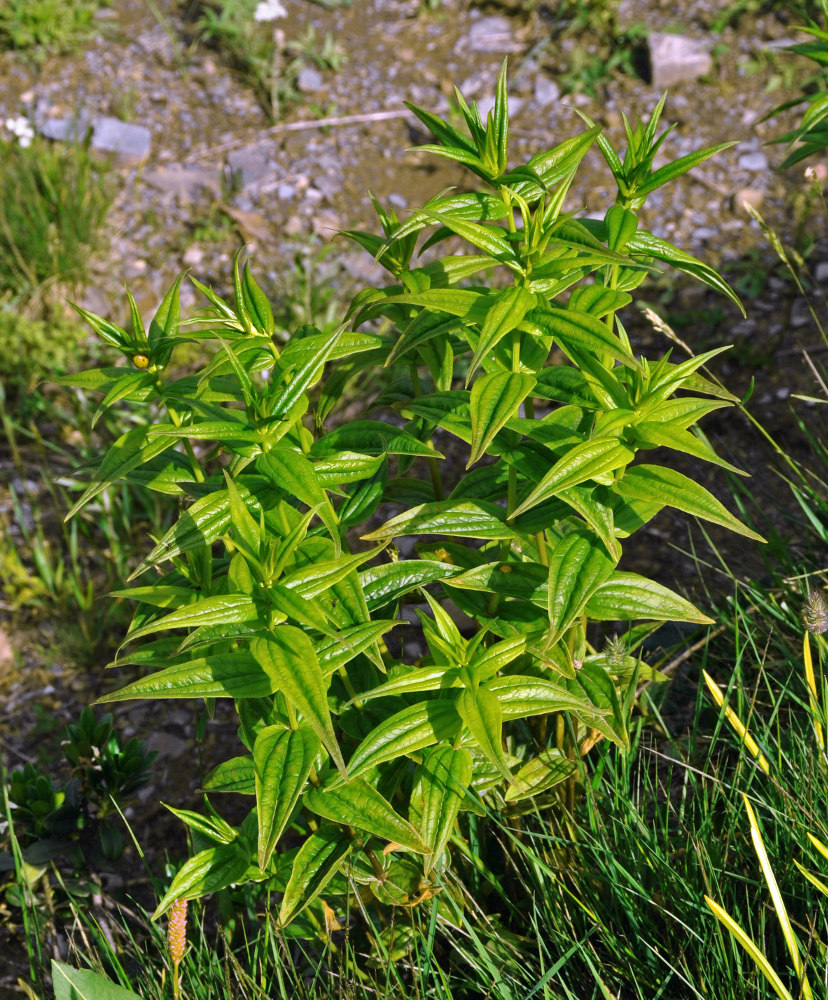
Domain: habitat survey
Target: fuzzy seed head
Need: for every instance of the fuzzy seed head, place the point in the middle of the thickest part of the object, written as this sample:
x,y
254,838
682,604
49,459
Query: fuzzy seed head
x,y
815,614
615,651
177,930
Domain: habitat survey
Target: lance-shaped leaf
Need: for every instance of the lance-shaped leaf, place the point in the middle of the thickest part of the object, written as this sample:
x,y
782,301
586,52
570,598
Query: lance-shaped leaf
x,y
578,565
440,788
577,331
649,434
495,399
404,733
201,524
288,656
611,719
335,652
582,463
208,871
283,759
480,711
370,437
224,609
656,484
541,773
315,864
127,453
294,474
305,377
224,675
313,580
233,775
521,697
358,804
627,596
505,313
389,582
469,519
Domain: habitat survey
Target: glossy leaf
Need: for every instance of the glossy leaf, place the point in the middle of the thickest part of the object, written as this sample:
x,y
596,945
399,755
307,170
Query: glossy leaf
x,y
358,804
538,775
578,565
628,596
495,399
282,759
446,517
440,788
404,733
317,861
287,655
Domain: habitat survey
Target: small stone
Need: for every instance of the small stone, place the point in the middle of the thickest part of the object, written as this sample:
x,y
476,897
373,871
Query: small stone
x,y
310,80
130,143
294,226
752,197
249,165
546,91
193,256
491,34
821,272
755,162
329,185
285,192
326,223
183,181
705,233
676,59
398,200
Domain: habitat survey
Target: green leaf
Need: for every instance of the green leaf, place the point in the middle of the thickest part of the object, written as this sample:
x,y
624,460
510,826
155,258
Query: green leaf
x,y
387,583
440,788
283,759
208,871
656,484
350,642
358,804
256,303
584,462
470,519
313,580
576,331
165,322
234,775
225,609
316,863
541,773
480,711
291,472
404,733
305,377
287,655
246,531
649,434
598,686
370,437
224,675
495,399
506,312
521,697
127,453
84,984
578,565
627,596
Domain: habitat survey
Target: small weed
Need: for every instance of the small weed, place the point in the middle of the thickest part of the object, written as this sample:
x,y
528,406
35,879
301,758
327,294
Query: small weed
x,y
44,27
54,202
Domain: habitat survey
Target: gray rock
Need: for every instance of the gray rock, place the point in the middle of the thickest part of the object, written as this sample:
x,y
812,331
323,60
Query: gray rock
x,y
705,233
491,34
310,80
546,91
129,143
821,272
756,162
285,192
183,181
676,59
249,165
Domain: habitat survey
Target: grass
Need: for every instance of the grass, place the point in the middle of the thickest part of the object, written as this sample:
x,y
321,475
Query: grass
x,y
54,203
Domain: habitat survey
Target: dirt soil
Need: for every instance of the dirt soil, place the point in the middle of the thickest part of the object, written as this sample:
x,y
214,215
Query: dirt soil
x,y
219,173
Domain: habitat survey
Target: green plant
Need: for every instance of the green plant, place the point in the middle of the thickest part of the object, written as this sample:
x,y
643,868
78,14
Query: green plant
x,y
42,27
32,349
361,751
811,135
54,203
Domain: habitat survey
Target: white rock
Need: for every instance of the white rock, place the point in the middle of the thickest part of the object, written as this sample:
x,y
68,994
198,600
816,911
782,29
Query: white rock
x,y
676,59
546,91
756,162
491,34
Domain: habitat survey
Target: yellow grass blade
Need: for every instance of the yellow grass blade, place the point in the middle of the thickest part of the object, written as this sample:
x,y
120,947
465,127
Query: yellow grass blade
x,y
750,743
778,903
746,942
812,691
823,888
